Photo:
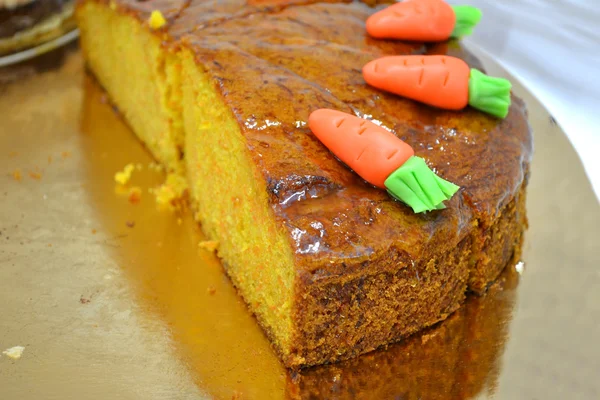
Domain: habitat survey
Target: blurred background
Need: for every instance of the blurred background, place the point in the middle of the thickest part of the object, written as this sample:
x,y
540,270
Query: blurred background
x,y
553,47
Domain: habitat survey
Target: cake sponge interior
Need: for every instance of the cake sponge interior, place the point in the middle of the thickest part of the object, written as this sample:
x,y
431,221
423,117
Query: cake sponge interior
x,y
142,80
231,201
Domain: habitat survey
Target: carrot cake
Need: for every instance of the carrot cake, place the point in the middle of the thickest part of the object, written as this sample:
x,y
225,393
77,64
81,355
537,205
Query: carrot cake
x,y
220,92
26,23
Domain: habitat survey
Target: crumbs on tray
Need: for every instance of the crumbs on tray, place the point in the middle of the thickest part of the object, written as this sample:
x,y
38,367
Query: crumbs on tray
x,y
122,177
35,175
154,166
14,352
209,245
135,195
169,194
17,175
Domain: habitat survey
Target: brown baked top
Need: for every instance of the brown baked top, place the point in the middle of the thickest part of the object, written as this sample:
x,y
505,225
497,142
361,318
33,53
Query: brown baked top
x,y
274,62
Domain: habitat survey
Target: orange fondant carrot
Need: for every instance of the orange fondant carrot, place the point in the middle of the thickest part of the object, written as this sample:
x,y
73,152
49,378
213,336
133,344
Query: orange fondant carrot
x,y
423,20
436,80
371,151
440,81
381,158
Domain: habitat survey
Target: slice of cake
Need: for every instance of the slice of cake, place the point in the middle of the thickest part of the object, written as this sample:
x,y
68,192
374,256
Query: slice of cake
x,y
331,266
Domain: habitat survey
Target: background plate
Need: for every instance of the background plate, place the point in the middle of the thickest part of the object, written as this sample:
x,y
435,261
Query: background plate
x,y
39,49
116,300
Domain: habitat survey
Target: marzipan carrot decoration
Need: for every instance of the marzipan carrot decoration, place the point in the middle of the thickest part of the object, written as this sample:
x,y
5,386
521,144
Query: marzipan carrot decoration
x,y
440,81
423,20
381,159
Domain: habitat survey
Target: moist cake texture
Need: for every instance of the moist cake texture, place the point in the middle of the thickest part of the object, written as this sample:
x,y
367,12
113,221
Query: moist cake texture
x,y
330,266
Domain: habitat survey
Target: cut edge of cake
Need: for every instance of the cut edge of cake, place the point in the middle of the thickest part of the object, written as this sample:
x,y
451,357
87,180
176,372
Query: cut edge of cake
x,y
218,163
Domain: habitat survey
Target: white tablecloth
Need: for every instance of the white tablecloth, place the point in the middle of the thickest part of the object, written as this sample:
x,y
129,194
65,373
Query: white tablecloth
x,y
553,48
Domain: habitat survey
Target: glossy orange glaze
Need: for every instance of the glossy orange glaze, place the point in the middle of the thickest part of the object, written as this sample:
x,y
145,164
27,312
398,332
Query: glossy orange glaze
x,y
275,63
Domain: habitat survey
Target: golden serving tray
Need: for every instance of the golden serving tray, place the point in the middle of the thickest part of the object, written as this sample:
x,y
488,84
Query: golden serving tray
x,y
114,300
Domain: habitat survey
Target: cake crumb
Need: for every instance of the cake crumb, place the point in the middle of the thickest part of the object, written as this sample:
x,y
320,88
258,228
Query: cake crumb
x,y
94,231
35,175
122,177
169,194
121,190
211,290
135,195
153,166
14,352
425,337
236,395
130,224
209,245
83,300
157,20
17,175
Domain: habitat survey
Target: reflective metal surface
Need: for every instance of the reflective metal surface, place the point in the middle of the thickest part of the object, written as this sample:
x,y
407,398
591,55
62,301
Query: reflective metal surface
x,y
116,300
